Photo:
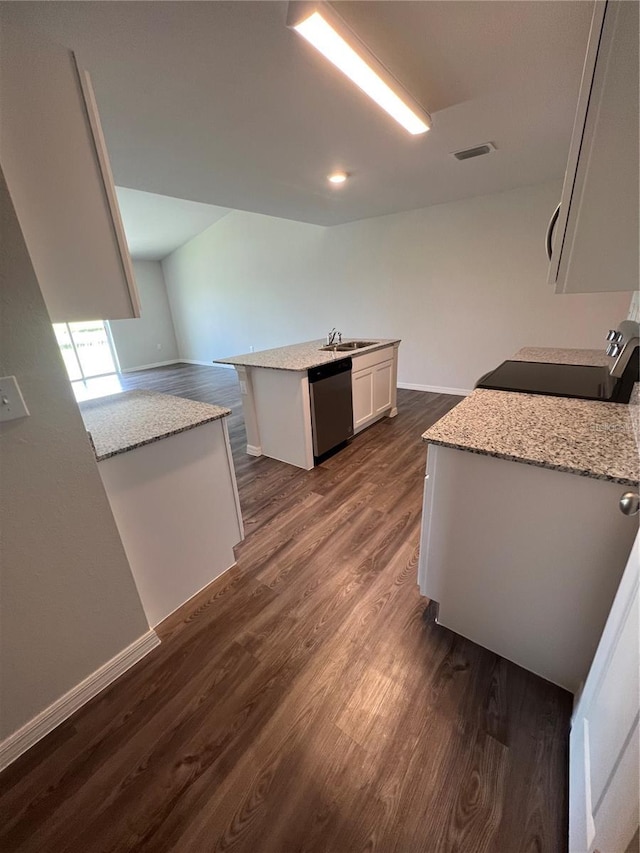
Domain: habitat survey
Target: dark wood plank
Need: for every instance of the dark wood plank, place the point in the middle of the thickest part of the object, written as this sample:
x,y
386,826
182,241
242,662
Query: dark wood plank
x,y
303,702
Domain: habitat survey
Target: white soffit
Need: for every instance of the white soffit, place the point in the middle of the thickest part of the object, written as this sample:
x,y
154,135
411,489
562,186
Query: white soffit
x,y
155,225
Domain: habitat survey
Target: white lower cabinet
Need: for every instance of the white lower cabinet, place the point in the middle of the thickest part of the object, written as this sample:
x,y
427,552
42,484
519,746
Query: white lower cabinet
x,y
362,390
373,387
176,505
382,374
522,560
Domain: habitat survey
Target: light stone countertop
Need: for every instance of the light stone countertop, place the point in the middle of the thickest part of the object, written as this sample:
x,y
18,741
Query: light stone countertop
x,y
634,412
593,357
582,437
301,356
125,421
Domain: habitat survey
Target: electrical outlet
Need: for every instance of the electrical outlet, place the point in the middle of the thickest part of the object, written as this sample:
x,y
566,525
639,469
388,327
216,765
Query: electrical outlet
x,y
12,404
159,346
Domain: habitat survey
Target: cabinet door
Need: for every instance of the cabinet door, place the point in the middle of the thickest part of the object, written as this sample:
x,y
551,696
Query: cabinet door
x,y
362,389
604,791
596,245
59,179
423,557
382,376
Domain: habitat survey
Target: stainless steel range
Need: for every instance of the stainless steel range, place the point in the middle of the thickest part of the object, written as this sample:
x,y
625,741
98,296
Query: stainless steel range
x,y
613,385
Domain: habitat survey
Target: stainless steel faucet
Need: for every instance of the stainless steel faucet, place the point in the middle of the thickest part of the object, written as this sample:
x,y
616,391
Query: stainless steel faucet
x,y
333,334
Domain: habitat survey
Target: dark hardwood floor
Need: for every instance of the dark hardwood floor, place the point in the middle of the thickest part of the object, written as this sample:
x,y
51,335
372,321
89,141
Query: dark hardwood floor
x,y
303,701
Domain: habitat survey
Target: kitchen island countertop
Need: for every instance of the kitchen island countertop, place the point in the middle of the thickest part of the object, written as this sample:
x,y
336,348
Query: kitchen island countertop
x,y
302,356
122,422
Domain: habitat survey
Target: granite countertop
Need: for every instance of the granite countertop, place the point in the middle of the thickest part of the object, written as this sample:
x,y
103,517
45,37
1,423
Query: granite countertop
x,y
122,422
301,356
594,357
584,437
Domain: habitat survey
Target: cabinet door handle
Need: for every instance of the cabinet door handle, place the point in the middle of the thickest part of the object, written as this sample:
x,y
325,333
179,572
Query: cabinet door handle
x,y
630,503
550,230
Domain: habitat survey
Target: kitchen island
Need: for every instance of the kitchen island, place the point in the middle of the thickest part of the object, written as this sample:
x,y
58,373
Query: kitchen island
x,y
166,466
274,385
523,543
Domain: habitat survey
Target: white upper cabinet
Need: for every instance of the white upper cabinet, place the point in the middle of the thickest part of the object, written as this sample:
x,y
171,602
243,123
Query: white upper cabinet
x,y
595,245
55,163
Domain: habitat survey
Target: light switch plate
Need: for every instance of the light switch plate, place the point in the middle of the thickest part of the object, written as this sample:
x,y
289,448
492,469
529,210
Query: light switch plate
x,y
12,404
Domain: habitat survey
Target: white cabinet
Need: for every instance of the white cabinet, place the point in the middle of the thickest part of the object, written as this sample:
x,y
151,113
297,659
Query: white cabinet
x,y
382,375
176,505
373,386
362,390
56,167
522,560
595,246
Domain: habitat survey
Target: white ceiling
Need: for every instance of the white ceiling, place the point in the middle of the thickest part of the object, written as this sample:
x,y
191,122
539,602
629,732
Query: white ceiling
x,y
156,225
218,102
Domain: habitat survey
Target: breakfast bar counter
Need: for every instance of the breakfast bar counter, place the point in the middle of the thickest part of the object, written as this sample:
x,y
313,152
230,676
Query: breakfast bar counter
x,y
122,422
167,469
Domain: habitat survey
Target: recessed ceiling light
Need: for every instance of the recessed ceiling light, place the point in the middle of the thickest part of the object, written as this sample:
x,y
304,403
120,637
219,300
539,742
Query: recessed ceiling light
x,y
337,177
327,32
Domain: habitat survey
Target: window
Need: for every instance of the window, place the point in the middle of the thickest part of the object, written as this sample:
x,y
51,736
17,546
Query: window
x,y
87,351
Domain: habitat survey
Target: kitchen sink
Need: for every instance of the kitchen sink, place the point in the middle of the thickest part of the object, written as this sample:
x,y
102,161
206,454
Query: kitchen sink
x,y
347,346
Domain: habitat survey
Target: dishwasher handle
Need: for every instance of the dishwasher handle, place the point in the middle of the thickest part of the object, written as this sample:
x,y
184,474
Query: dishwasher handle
x,y
332,368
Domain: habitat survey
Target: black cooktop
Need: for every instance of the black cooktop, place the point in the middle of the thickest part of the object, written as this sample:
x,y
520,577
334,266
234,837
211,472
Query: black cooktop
x,y
557,380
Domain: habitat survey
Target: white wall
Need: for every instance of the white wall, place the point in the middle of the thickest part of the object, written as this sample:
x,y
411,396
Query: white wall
x,y
69,602
463,284
137,340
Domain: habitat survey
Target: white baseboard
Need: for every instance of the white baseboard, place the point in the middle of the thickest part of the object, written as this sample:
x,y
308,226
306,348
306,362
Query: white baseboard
x,y
198,591
149,366
174,361
46,721
252,450
207,363
435,389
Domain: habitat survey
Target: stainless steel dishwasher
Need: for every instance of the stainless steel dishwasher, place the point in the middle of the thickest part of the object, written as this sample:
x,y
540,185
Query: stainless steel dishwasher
x,y
331,405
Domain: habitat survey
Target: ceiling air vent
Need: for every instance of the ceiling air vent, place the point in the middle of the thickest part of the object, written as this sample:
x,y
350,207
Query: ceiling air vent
x,y
477,151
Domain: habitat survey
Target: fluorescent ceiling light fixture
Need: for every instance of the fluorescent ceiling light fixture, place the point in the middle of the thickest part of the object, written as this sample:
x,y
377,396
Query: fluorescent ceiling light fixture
x,y
326,31
337,177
